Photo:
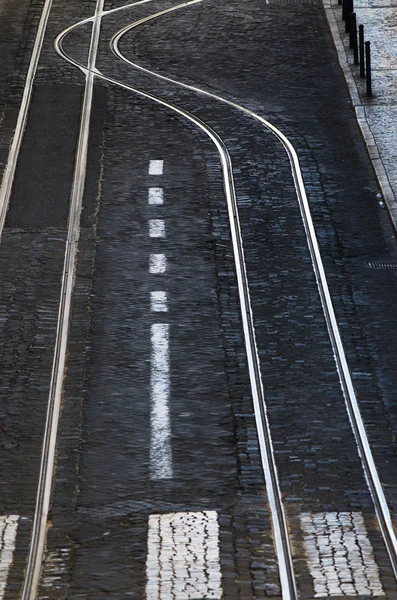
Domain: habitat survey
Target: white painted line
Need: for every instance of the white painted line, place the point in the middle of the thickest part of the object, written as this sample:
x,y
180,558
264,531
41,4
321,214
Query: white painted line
x,y
156,228
160,388
340,555
183,557
8,534
157,263
156,167
158,302
156,196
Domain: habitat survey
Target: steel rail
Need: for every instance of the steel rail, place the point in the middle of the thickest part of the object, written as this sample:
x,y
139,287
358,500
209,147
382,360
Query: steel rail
x,y
280,528
370,471
39,531
61,36
9,172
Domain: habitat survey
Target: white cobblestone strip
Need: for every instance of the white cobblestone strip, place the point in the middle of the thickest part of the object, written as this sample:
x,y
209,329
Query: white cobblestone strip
x,y
156,228
156,167
158,301
156,196
157,263
8,534
340,555
183,557
160,388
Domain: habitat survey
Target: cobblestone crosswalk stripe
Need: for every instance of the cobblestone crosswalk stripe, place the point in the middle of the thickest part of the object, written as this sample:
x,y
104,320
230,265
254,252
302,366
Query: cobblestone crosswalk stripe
x,y
183,557
8,534
340,555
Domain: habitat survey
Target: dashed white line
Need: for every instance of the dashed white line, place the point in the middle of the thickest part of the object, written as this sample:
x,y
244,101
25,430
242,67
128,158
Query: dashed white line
x,y
8,534
156,167
157,263
156,228
183,557
156,196
160,424
158,301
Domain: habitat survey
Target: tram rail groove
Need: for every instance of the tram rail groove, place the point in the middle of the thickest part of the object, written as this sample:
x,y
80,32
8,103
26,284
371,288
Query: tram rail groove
x,y
39,531
13,155
371,475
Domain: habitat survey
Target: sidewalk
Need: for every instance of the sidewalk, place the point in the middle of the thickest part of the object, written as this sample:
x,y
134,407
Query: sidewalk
x,y
377,116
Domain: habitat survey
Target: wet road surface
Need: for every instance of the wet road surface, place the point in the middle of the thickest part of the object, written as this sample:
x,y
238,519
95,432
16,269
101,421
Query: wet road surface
x,y
159,490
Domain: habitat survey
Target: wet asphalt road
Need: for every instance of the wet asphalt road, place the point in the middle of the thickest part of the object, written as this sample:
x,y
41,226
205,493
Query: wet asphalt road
x,y
104,495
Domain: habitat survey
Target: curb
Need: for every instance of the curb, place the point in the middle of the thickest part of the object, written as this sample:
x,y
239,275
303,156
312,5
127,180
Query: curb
x,y
361,115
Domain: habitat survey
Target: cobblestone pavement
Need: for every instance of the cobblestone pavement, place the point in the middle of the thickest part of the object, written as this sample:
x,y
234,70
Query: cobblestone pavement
x,y
159,490
379,111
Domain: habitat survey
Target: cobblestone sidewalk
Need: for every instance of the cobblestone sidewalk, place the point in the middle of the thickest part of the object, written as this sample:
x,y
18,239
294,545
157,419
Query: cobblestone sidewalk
x,y
377,116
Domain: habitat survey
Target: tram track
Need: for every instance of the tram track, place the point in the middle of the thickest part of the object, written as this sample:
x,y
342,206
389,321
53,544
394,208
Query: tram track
x,y
38,538
13,155
370,471
281,535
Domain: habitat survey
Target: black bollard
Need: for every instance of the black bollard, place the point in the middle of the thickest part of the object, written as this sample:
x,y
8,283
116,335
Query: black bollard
x,y
361,50
349,10
344,2
351,30
368,67
353,37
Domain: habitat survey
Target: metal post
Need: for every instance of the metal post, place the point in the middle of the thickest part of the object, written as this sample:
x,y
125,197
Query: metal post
x,y
351,30
353,37
368,67
339,2
361,50
349,10
344,2
347,15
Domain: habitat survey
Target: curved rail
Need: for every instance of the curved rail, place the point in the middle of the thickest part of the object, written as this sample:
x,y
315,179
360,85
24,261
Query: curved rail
x,y
372,477
280,528
371,474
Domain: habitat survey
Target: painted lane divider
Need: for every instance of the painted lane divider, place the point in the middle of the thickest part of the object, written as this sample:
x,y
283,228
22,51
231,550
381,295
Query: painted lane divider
x,y
156,228
156,196
183,557
160,384
8,534
156,167
157,263
158,301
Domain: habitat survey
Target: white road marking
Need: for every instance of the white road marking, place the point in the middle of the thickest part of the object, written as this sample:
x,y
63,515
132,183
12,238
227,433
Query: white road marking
x,y
160,388
156,167
8,534
156,228
156,196
158,302
157,263
183,557
340,555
